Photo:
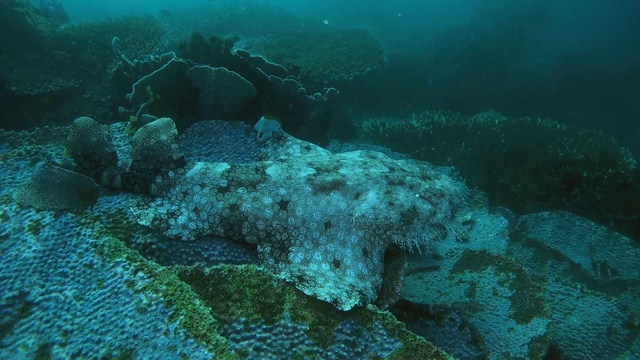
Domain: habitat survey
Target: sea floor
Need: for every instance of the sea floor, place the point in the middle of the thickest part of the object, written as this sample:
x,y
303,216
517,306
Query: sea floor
x,y
92,283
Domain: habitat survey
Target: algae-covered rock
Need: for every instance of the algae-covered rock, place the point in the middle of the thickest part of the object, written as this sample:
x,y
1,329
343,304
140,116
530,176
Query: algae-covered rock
x,y
264,317
528,287
73,288
314,52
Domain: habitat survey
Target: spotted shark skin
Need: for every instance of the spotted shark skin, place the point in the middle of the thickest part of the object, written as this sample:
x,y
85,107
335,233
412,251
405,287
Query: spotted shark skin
x,y
321,220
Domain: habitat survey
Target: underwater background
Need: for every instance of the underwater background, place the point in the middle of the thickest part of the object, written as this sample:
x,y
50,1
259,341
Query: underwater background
x,y
319,180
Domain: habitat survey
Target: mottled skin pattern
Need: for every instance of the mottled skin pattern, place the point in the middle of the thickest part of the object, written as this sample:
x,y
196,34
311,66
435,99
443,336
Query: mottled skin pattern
x,y
320,220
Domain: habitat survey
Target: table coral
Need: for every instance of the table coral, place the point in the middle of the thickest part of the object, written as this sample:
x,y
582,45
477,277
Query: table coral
x,y
211,81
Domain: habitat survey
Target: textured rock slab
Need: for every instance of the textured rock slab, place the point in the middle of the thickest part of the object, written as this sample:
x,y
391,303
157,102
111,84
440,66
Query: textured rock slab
x,y
549,281
598,251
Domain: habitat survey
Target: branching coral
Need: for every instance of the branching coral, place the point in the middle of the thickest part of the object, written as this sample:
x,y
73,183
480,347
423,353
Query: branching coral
x,y
528,164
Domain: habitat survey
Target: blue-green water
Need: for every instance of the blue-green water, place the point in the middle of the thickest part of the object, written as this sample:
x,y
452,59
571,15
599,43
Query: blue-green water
x,y
319,180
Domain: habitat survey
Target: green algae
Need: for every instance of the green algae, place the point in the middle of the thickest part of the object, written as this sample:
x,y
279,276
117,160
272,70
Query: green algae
x,y
259,295
43,352
192,317
204,299
23,305
527,301
34,227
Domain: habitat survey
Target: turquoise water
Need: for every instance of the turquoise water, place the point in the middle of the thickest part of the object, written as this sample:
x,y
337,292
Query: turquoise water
x,y
435,179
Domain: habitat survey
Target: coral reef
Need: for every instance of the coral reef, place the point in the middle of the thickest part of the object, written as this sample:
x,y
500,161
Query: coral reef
x,y
526,287
169,86
305,105
74,289
526,164
128,71
212,81
444,326
307,115
64,72
220,141
139,36
89,144
541,285
166,92
320,56
314,52
137,160
21,17
212,50
278,321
